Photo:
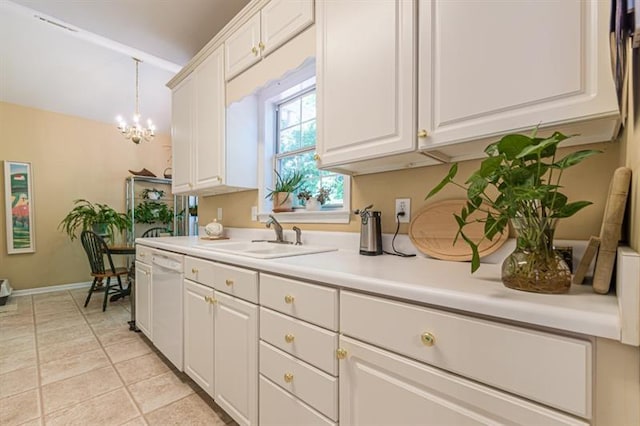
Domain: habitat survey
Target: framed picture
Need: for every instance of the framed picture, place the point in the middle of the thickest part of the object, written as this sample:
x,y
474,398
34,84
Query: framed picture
x,y
18,190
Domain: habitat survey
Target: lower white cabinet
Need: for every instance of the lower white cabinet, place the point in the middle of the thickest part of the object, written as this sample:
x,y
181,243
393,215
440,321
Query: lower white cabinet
x,y
143,298
199,334
382,388
236,358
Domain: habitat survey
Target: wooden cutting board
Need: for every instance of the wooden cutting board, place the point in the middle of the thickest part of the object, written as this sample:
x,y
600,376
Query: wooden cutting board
x,y
611,229
433,230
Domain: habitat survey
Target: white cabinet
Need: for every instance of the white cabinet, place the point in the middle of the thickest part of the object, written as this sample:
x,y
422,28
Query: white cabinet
x,y
236,358
490,68
274,25
199,335
221,336
143,298
379,387
206,158
366,86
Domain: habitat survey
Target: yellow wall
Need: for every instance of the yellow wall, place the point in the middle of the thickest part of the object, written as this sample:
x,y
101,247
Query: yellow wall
x,y
586,181
71,158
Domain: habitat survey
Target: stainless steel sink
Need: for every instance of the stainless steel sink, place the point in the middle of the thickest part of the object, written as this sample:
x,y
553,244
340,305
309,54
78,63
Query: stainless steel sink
x,y
264,249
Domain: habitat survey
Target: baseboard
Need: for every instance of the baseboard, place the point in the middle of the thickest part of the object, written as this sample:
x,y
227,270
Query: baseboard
x,y
49,289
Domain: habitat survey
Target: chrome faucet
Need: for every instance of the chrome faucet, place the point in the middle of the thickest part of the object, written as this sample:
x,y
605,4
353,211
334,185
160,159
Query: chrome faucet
x,y
276,227
298,232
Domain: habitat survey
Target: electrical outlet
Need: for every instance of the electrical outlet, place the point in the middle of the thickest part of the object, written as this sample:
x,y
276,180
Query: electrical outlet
x,y
219,214
254,213
403,205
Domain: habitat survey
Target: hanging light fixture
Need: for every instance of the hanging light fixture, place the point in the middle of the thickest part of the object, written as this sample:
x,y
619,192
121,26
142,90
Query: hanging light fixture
x,y
136,132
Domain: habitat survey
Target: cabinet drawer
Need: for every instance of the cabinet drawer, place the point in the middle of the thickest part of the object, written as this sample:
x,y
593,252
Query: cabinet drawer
x,y
312,344
309,302
551,369
143,254
199,270
311,385
280,408
239,282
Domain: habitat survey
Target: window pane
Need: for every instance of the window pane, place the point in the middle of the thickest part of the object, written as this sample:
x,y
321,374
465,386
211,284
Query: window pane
x,y
308,137
289,139
289,114
309,106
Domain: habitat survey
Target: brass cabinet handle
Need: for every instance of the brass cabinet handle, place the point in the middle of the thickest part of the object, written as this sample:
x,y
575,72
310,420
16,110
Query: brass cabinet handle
x,y
341,353
254,50
423,133
288,377
288,299
316,157
194,270
211,300
289,338
428,339
261,45
228,282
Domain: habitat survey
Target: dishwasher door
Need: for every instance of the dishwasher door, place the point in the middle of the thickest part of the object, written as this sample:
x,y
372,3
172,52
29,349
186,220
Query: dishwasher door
x,y
166,305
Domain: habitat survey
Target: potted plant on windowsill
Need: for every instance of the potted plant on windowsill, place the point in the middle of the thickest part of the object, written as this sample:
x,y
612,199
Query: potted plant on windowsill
x,y
314,202
519,182
97,217
281,193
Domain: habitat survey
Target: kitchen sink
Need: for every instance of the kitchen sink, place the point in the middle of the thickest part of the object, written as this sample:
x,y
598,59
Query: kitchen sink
x,y
265,249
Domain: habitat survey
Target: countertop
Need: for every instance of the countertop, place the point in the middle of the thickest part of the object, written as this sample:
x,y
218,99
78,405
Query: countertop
x,y
438,283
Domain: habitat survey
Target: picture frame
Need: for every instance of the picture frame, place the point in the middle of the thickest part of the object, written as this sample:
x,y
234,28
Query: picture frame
x,y
19,207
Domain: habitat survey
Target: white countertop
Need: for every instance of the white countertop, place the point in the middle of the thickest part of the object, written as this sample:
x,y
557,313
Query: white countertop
x,y
434,282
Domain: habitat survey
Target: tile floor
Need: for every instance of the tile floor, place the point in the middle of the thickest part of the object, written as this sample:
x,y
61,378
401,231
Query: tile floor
x,y
62,364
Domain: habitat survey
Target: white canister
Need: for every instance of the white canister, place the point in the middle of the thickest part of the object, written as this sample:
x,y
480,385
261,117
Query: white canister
x,y
214,229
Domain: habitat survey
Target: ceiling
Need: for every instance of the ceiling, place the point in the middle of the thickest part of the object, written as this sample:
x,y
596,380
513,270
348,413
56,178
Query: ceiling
x,y
75,56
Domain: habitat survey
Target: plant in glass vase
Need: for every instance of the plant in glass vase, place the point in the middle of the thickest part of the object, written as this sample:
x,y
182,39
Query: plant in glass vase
x,y
519,182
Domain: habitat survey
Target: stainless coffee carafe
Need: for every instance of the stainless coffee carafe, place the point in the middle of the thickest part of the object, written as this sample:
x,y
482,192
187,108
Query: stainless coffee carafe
x,y
370,232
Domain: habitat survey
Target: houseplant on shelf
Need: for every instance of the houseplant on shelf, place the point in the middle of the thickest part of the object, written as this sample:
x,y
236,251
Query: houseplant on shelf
x,y
152,193
153,212
97,217
519,182
281,193
314,202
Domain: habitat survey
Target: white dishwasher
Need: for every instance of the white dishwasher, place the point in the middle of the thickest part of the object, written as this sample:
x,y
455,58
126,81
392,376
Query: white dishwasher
x,y
166,305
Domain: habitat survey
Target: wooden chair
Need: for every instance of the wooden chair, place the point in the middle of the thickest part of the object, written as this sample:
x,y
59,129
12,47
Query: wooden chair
x,y
97,250
156,232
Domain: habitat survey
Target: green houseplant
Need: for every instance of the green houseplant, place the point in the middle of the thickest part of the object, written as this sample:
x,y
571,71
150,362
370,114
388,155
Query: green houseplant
x,y
284,187
314,202
98,217
519,182
153,212
152,193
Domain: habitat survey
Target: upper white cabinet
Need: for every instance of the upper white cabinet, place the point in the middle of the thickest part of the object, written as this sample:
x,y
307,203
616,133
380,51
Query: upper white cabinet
x,y
207,158
276,23
366,85
489,68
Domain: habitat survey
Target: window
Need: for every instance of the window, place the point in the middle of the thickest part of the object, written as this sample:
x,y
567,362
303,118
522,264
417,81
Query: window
x,y
295,149
287,135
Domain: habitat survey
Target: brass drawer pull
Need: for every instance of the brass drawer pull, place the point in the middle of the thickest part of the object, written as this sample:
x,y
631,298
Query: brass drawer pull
x,y
228,282
428,339
288,299
288,377
289,338
341,353
194,270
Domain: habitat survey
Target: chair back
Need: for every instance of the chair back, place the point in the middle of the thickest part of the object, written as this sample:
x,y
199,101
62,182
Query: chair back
x,y
155,232
96,249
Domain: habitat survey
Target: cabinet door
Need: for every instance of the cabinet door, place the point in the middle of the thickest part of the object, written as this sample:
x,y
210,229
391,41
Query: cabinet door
x,y
182,135
487,68
143,298
282,20
379,387
242,48
365,79
236,358
198,334
209,131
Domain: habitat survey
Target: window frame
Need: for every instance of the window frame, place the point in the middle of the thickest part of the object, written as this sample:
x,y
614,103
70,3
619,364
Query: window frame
x,y
296,82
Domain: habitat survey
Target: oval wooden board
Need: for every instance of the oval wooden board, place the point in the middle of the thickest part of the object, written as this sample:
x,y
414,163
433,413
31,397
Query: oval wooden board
x,y
433,229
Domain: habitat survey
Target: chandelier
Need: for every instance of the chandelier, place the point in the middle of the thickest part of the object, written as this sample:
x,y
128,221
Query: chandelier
x,y
136,132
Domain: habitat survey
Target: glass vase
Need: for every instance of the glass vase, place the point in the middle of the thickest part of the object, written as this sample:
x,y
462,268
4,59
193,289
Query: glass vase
x,y
534,265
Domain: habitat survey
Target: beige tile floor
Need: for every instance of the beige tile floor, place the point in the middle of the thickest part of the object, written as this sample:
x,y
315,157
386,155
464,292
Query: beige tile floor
x,y
62,364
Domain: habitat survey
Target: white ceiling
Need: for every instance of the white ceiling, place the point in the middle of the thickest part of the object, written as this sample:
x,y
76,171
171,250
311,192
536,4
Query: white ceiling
x,y
88,72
